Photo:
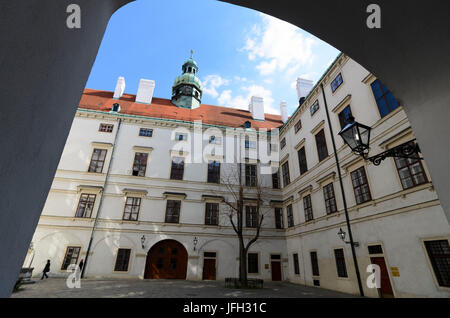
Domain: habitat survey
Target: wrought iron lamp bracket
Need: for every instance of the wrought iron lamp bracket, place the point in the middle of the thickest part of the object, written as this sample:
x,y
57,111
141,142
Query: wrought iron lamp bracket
x,y
407,150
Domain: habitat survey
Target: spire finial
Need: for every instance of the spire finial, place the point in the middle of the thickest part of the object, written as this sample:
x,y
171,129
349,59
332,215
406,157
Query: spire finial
x,y
192,52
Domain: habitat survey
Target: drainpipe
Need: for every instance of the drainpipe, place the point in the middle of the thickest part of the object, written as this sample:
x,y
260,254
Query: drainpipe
x,y
347,219
101,199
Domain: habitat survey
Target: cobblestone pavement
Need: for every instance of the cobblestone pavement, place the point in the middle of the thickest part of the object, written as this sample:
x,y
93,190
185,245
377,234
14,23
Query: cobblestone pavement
x,y
90,288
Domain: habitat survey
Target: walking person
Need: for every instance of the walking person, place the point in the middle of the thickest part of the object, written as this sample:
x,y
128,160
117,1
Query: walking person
x,y
46,270
80,269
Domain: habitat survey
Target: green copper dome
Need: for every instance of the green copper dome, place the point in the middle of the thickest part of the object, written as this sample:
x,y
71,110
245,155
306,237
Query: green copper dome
x,y
187,88
188,78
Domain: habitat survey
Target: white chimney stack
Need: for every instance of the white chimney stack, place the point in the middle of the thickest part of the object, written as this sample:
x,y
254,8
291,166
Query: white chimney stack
x,y
283,109
120,88
145,91
304,86
256,108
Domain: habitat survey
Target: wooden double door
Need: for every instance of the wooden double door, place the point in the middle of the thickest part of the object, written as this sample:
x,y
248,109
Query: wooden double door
x,y
166,260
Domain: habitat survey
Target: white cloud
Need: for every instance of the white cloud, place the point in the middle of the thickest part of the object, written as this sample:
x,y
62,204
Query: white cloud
x,y
280,46
211,83
226,98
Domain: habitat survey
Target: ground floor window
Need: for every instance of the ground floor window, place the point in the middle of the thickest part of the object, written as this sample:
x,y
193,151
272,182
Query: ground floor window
x,y
340,262
252,263
314,264
439,254
122,260
296,264
71,256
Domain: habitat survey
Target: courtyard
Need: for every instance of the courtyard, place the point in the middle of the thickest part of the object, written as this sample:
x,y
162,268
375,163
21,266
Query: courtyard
x,y
136,288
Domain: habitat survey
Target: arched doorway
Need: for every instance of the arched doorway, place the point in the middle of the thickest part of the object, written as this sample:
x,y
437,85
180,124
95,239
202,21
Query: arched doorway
x,y
166,260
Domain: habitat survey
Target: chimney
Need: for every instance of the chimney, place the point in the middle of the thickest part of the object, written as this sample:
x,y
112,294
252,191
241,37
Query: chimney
x,y
120,88
256,108
283,109
145,91
304,86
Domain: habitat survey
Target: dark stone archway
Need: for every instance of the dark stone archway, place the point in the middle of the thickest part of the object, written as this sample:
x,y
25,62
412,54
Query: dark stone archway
x,y
44,67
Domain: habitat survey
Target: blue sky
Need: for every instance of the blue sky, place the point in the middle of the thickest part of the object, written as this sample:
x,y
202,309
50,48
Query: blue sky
x,y
240,52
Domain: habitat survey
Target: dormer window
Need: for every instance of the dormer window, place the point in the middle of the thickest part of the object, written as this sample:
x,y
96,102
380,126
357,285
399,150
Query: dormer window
x,y
247,124
116,107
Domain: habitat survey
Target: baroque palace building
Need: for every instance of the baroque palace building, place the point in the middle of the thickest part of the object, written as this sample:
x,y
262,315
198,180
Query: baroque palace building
x,y
135,205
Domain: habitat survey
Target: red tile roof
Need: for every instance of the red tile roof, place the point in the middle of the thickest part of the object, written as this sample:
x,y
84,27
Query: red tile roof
x,y
163,108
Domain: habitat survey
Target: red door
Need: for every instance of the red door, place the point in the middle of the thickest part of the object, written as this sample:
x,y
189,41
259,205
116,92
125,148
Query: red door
x,y
166,260
276,271
209,269
386,288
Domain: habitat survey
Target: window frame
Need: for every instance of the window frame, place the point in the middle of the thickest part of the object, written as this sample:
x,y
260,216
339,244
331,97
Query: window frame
x,y
334,88
296,264
63,267
307,208
341,266
139,164
257,263
302,161
251,177
140,134
298,126
437,275
279,220
330,201
177,169
290,216
322,149
106,128
276,180
360,185
97,161
314,264
127,264
212,214
383,97
132,205
286,174
411,176
177,206
83,215
343,117
251,216
213,174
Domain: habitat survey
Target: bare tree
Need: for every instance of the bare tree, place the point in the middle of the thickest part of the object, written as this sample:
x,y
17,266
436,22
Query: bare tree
x,y
239,192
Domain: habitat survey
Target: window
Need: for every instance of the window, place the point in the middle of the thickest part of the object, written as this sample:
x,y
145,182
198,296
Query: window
x,y
122,260
411,172
375,249
361,186
85,205
251,216
250,175
140,164
212,214
106,128
177,171
97,160
336,83
173,211
250,144
298,126
439,254
252,263
145,132
340,262
385,99
283,143
116,107
296,265
276,180
286,176
302,160
321,143
290,215
71,256
215,140
344,116
180,136
131,210
307,206
330,200
214,172
314,107
279,218
314,264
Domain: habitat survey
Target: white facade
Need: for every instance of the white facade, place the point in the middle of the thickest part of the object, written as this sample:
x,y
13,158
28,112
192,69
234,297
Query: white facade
x,y
398,219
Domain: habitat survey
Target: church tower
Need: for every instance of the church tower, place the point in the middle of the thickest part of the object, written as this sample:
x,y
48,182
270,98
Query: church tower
x,y
187,88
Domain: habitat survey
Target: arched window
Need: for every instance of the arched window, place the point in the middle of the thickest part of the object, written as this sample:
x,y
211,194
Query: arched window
x,y
190,70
